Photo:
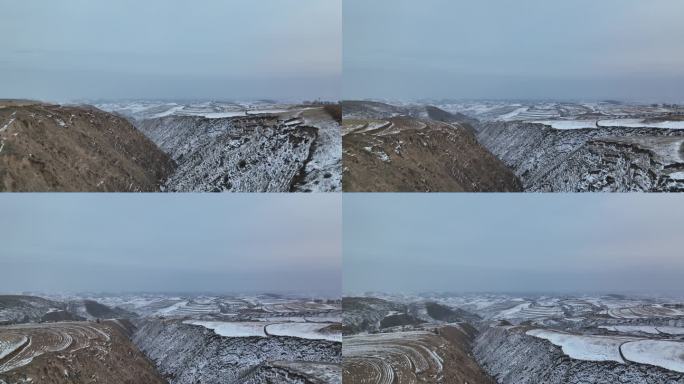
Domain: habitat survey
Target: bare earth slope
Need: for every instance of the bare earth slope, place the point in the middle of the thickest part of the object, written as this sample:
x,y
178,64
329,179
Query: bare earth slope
x,y
73,352
70,148
409,151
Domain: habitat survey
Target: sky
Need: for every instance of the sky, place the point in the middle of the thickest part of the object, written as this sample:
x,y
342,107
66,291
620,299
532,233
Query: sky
x,y
172,49
541,243
631,50
115,243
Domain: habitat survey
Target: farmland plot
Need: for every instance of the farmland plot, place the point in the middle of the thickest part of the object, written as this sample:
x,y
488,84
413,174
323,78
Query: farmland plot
x,y
422,356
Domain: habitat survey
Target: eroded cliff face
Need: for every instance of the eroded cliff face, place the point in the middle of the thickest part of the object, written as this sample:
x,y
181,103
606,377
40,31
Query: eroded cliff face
x,y
512,357
301,372
190,354
579,160
250,154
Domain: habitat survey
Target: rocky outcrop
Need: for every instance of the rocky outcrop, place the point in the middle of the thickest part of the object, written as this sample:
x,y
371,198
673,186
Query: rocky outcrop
x,y
512,357
47,147
188,354
582,160
294,373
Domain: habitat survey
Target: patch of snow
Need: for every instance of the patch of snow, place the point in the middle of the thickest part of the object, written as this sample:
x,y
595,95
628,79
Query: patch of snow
x,y
310,331
7,124
568,124
509,313
265,111
221,115
172,308
383,156
677,175
9,346
512,114
168,112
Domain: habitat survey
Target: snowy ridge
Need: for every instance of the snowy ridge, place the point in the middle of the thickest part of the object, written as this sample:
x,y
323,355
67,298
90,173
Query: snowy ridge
x,y
175,347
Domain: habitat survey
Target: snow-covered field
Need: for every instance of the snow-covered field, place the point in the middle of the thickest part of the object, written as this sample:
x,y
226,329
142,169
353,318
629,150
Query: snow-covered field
x,y
648,329
616,123
313,331
582,347
661,353
208,109
232,329
666,354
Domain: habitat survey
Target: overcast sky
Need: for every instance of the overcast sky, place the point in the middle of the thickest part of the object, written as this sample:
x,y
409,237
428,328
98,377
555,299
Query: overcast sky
x,y
176,243
527,49
513,243
225,49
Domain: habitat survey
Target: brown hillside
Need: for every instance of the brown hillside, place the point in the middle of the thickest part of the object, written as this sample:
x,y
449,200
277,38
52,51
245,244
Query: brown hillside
x,y
75,148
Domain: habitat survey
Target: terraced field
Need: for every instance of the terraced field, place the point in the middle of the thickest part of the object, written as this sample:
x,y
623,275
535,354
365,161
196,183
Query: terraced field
x,y
439,356
298,306
404,357
645,311
72,351
537,312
